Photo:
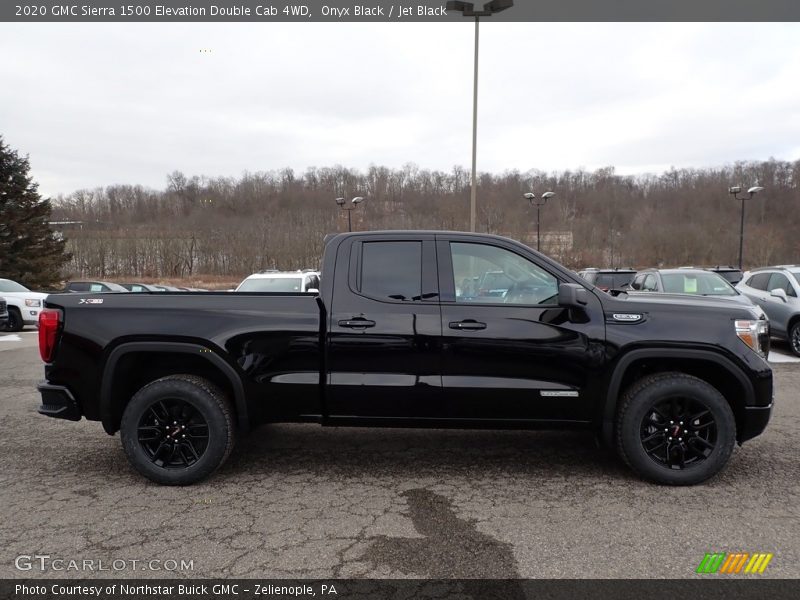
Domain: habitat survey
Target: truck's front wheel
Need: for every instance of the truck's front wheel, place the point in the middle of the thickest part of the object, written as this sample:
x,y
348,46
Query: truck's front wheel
x,y
178,429
675,429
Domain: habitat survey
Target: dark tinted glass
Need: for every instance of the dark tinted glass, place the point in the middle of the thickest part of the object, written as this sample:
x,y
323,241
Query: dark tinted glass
x,y
733,276
392,270
759,281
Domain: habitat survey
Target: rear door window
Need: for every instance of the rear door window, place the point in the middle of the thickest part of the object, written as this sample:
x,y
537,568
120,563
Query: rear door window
x,y
391,270
759,281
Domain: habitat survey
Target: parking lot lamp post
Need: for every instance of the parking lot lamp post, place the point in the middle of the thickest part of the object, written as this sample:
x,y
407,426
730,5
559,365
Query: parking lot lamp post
x,y
344,206
735,191
467,9
538,203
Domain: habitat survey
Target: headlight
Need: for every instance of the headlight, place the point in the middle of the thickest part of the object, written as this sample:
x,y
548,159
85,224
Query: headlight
x,y
753,333
33,302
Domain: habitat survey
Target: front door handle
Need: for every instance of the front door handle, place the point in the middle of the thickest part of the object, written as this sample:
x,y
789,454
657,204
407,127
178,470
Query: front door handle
x,y
357,323
468,324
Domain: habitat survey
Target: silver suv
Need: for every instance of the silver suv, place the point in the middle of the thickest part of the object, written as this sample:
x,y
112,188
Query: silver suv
x,y
777,291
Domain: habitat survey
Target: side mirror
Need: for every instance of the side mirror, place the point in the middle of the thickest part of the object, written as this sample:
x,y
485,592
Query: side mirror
x,y
312,291
635,285
572,295
779,293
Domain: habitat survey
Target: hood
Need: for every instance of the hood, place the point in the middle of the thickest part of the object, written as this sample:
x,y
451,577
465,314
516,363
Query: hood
x,y
644,301
24,295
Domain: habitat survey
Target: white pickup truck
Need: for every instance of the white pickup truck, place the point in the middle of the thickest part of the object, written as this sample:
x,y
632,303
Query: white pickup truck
x,y
23,305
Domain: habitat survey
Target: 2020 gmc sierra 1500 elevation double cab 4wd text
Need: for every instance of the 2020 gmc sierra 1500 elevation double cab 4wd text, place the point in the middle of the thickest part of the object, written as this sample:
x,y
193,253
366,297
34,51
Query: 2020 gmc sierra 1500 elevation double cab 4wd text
x,y
399,335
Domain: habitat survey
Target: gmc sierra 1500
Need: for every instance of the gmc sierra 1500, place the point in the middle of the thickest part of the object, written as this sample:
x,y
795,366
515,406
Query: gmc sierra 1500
x,y
401,333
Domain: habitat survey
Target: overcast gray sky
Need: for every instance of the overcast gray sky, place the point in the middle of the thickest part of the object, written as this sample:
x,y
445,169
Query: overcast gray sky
x,y
96,104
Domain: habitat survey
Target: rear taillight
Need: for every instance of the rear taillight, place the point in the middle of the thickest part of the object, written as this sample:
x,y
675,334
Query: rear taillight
x,y
49,320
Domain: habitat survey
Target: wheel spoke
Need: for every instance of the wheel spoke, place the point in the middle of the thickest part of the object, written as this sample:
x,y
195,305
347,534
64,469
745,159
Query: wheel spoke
x,y
158,451
191,448
198,430
182,454
149,433
681,456
703,442
652,436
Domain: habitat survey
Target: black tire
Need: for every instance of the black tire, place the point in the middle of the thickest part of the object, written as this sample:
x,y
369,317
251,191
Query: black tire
x,y
14,322
661,445
162,429
794,339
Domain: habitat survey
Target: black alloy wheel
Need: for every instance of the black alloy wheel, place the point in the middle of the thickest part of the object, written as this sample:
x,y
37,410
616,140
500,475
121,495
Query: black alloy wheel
x,y
173,434
679,432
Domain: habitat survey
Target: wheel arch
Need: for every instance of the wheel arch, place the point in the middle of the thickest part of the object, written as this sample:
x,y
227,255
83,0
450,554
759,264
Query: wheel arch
x,y
133,364
715,369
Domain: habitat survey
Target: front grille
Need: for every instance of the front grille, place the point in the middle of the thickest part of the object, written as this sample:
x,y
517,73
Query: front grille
x,y
2,306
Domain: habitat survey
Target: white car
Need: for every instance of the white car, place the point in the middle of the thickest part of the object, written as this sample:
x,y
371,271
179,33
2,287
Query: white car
x,y
23,305
281,281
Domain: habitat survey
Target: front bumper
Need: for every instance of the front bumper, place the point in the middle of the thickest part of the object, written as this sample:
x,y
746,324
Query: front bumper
x,y
755,421
58,402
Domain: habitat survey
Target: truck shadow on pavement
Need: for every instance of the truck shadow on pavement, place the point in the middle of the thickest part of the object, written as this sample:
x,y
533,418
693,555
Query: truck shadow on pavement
x,y
415,453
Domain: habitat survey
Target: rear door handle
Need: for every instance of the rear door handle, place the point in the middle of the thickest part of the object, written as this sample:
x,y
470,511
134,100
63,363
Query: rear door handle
x,y
468,324
357,323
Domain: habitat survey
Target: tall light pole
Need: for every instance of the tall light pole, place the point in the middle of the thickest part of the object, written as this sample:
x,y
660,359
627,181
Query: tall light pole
x,y
468,10
735,191
538,203
353,205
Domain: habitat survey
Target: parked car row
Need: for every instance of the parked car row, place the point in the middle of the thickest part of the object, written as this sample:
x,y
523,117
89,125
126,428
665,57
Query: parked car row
x,y
108,286
773,291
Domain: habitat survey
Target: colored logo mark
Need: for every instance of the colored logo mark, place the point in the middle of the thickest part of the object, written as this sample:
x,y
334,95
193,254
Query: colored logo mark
x,y
735,562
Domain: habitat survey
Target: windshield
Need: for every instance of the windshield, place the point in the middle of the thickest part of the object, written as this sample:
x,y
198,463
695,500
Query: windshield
x,y
702,284
272,284
6,285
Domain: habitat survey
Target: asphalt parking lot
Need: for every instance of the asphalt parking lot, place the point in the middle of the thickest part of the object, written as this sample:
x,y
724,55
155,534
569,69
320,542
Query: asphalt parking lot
x,y
306,501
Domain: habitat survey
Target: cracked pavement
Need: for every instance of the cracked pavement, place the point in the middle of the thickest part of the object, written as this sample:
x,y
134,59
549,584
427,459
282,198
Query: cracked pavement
x,y
306,501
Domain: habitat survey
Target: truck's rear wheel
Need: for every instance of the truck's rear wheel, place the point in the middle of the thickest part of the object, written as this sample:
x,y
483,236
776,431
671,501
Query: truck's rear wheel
x,y
177,430
675,429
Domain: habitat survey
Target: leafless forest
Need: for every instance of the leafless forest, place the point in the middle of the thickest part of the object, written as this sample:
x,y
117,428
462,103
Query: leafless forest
x,y
277,219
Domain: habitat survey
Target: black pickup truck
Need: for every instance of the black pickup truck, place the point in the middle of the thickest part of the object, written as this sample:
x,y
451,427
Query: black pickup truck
x,y
401,333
